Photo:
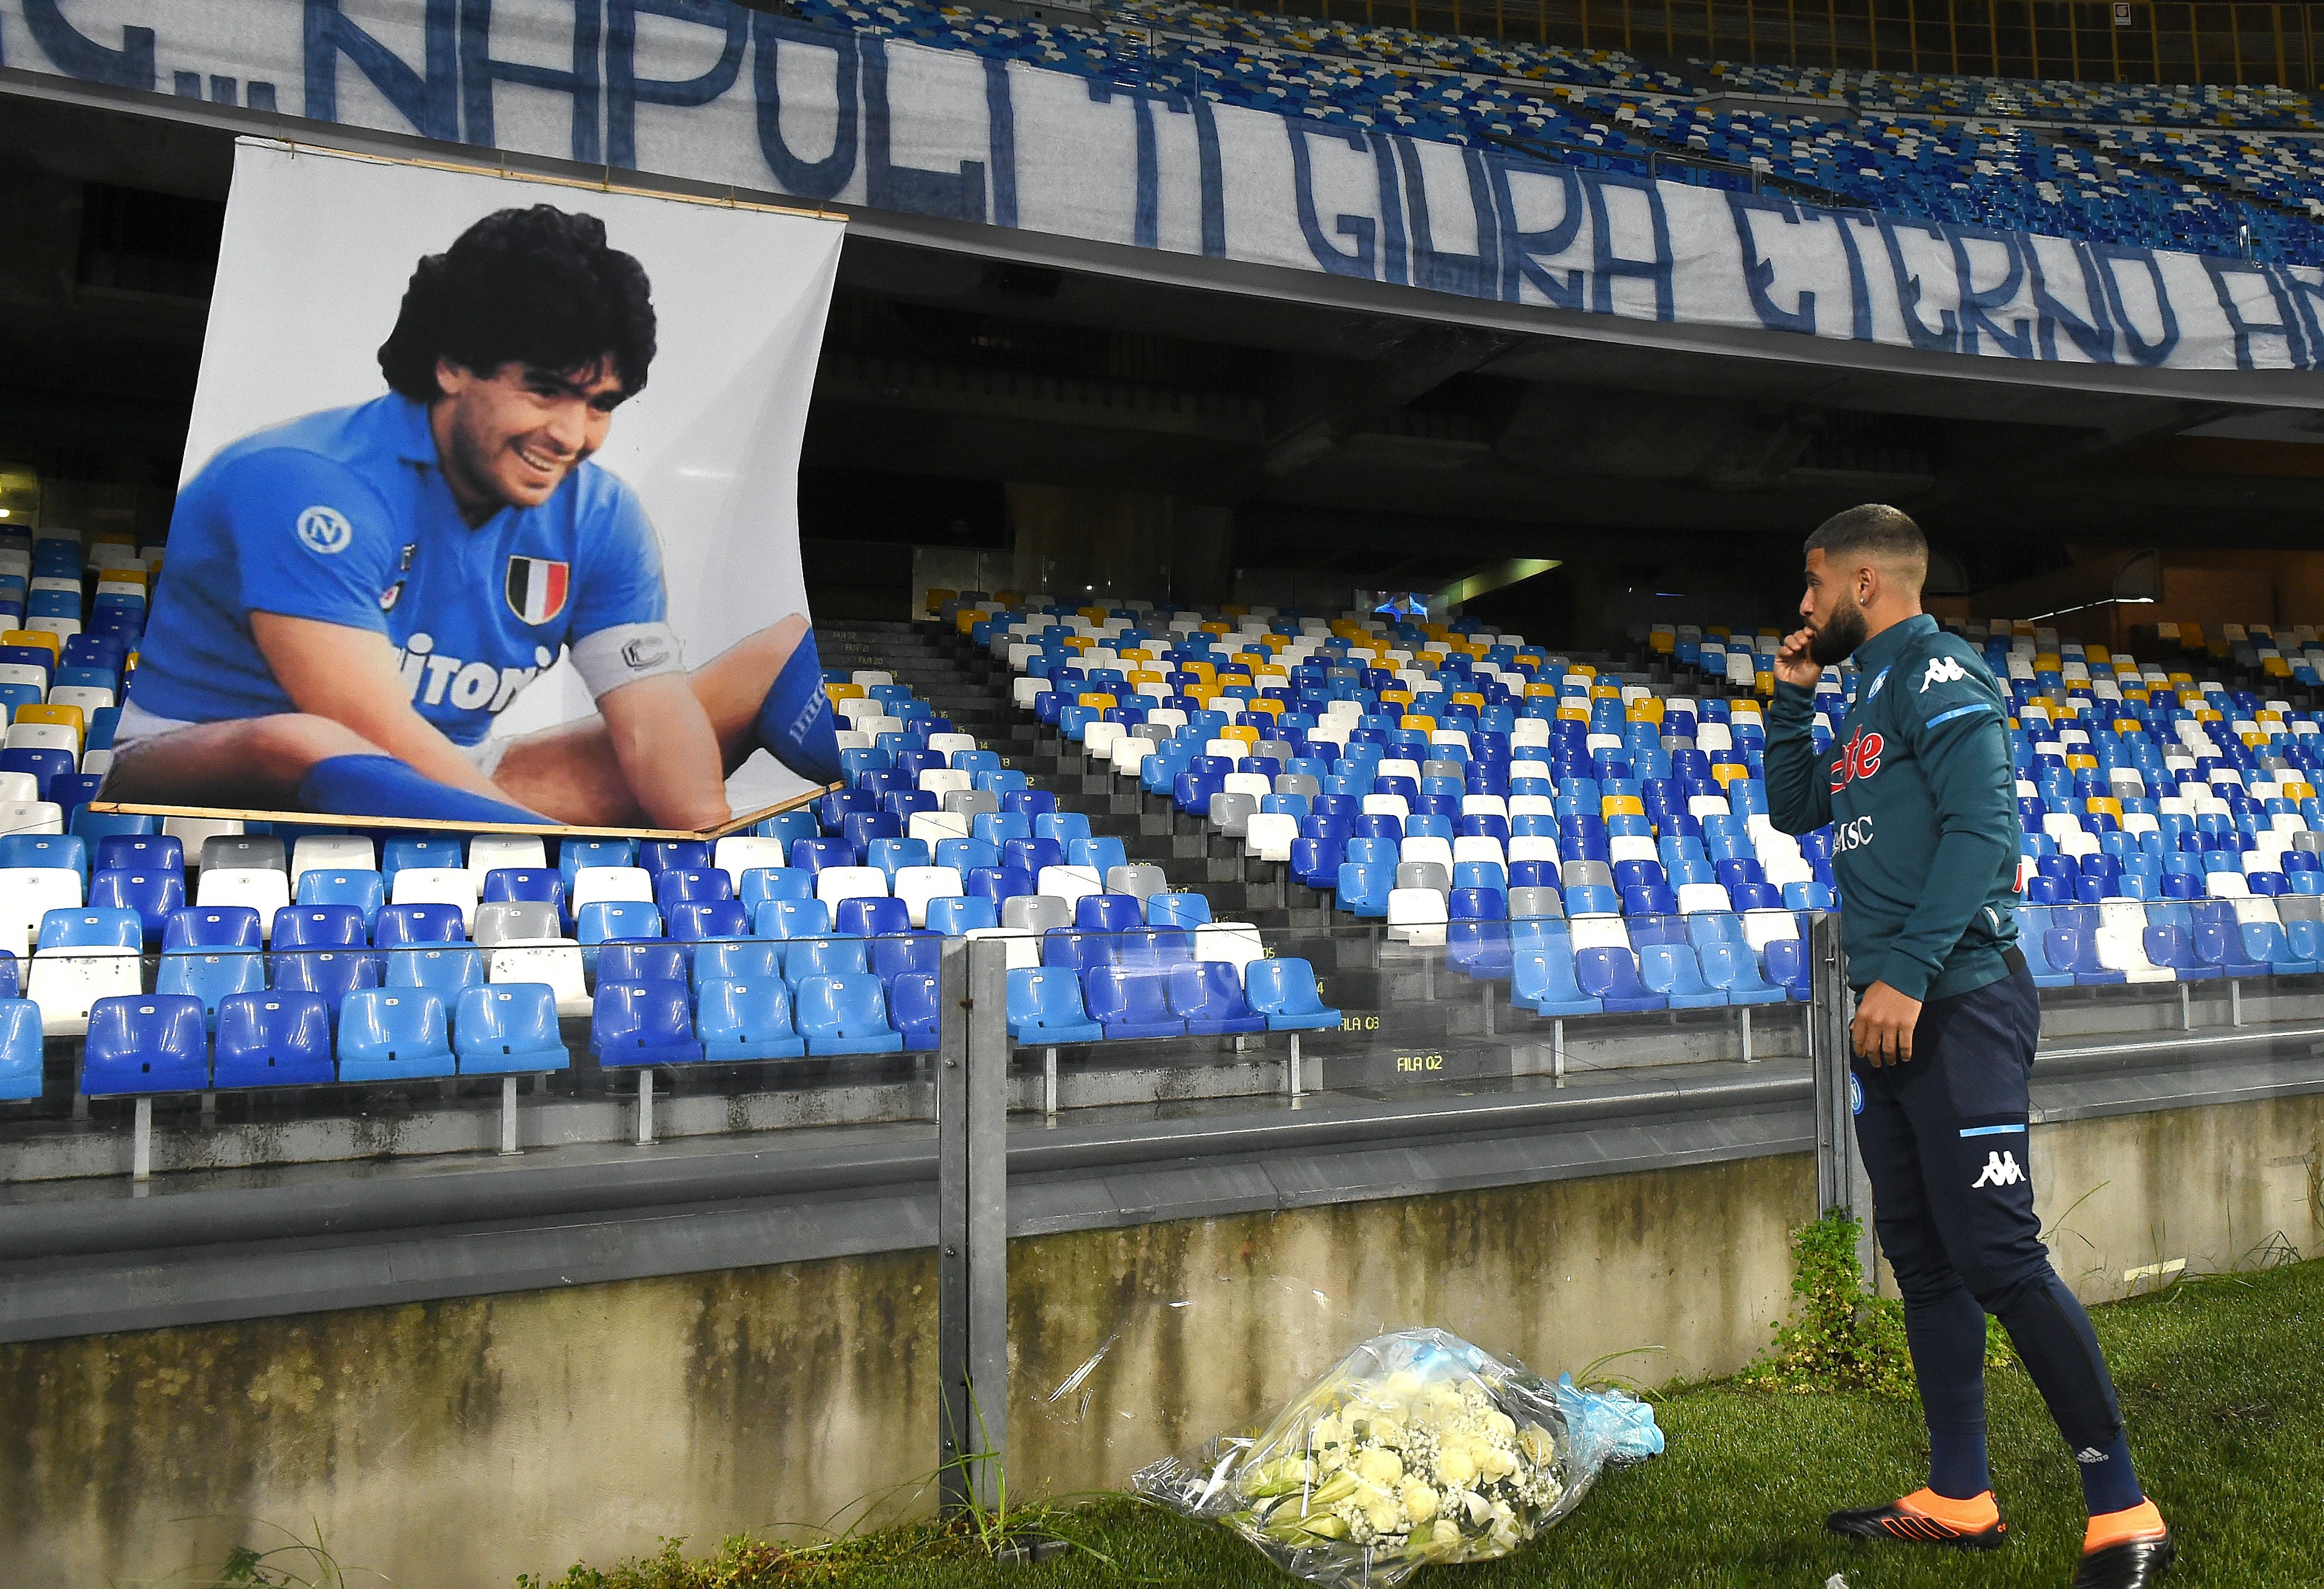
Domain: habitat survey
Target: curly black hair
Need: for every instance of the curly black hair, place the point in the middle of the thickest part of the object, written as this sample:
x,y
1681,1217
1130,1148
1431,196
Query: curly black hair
x,y
538,286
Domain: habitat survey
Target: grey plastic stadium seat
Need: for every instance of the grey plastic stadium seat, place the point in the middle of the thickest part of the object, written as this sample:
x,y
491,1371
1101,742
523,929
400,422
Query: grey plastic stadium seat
x,y
1035,913
1443,769
2311,841
1281,750
1230,814
506,920
969,802
2299,907
1424,874
1137,880
1673,742
244,852
1586,874
1304,783
1525,903
1156,731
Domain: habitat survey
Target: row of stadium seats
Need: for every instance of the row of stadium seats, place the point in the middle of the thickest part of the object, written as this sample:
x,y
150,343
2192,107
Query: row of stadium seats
x,y
1915,147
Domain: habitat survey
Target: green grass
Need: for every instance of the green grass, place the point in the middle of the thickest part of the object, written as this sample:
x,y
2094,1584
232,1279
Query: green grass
x,y
2222,1382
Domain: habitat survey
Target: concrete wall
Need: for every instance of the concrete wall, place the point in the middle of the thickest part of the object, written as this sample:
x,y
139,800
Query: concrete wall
x,y
461,1443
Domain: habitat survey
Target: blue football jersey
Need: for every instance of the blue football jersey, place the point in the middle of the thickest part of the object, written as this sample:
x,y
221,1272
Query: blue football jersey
x,y
344,516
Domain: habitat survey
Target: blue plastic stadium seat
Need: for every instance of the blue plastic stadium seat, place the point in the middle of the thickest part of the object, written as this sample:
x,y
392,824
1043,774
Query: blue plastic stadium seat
x,y
1731,968
823,957
152,895
912,1006
1176,910
1106,912
760,883
787,825
681,884
336,974
747,1019
365,890
1363,888
319,926
793,918
446,970
737,959
394,1034
1672,970
509,1028
211,977
871,917
1285,992
1789,968
444,854
20,1050
153,1042
954,915
139,852
905,954
641,960
1076,950
642,1023
1129,1002
662,855
573,854
1608,974
709,918
1045,1006
280,1039
845,1014
86,928
68,852
604,919
211,927
530,884
1543,980
399,924
1208,996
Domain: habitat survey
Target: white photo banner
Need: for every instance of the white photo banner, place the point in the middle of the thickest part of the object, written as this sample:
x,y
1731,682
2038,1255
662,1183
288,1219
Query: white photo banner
x,y
708,90
534,448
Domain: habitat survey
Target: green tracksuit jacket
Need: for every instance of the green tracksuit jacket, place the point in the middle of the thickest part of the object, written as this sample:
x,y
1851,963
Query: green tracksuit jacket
x,y
1922,799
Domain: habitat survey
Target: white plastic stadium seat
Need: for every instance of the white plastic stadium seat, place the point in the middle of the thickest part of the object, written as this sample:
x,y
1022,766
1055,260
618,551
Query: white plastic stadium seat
x,y
191,831
44,736
1427,848
424,886
87,697
1417,917
263,889
27,895
1696,898
1234,943
558,965
916,886
1268,835
592,884
329,852
1070,884
491,852
833,883
739,853
940,780
931,828
64,982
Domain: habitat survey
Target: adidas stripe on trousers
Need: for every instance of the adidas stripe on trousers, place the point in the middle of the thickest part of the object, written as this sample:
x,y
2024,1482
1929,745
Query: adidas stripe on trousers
x,y
1943,1138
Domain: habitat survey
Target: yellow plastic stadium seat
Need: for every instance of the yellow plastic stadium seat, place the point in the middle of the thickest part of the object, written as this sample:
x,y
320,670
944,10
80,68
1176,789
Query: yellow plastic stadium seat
x,y
1272,707
2254,740
1204,693
1218,628
1416,723
2076,762
1436,631
2275,667
1237,680
1574,714
71,717
839,692
1538,689
1469,698
1726,772
1094,614
1136,654
1645,709
1588,670
938,596
2096,654
2297,790
1605,691
1396,697
1271,670
32,636
1146,675
1203,671
2180,678
1661,642
1247,660
1008,598
1621,805
2127,725
2048,661
1100,699
1235,613
1244,731
2104,805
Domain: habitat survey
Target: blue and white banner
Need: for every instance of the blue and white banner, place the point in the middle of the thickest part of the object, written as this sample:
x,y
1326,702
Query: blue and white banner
x,y
706,90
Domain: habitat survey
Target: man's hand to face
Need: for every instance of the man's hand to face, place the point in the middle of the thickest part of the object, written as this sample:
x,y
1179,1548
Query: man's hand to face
x,y
1884,1019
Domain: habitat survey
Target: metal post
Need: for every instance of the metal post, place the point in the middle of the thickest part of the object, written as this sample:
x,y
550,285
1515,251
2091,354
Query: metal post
x,y
645,1106
1049,1081
971,1074
2186,1009
1557,1051
1291,1076
2234,1002
1841,1181
1743,1025
141,1155
508,1118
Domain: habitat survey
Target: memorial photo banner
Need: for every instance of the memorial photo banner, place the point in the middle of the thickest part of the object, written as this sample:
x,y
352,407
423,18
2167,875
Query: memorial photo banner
x,y
710,91
489,507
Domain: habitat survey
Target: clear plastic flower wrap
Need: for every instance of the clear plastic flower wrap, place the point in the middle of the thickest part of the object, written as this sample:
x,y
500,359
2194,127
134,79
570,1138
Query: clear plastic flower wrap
x,y
1416,1448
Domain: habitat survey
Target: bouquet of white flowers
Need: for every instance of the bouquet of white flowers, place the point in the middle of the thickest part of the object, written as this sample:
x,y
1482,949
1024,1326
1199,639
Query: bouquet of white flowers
x,y
1417,1447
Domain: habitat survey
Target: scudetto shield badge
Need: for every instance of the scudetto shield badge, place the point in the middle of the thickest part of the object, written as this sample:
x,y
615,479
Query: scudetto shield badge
x,y
538,587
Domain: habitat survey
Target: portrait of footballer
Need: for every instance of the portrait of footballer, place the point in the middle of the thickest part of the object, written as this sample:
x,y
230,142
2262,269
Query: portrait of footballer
x,y
349,600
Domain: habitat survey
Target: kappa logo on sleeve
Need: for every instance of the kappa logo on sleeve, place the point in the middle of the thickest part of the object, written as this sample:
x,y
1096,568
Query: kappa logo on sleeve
x,y
1944,670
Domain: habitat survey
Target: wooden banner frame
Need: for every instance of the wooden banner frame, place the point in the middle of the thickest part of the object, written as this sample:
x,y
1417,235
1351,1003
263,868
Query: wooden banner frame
x,y
313,818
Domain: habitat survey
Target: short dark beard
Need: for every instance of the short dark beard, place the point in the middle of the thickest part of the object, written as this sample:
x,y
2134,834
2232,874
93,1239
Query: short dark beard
x,y
1837,641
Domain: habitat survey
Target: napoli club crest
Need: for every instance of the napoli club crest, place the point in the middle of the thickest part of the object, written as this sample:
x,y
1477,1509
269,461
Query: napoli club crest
x,y
537,588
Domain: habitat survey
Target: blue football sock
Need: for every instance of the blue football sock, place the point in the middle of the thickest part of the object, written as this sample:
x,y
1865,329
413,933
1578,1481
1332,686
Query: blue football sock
x,y
1946,1336
795,720
381,785
2109,1483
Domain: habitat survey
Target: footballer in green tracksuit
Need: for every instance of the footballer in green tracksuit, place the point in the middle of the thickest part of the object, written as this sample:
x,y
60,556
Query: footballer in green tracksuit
x,y
1919,794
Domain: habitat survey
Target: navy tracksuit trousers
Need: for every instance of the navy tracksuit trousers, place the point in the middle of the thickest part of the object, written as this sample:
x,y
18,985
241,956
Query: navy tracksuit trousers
x,y
1943,1137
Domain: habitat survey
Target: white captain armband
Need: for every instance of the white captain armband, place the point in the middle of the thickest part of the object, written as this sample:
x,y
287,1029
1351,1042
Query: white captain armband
x,y
625,654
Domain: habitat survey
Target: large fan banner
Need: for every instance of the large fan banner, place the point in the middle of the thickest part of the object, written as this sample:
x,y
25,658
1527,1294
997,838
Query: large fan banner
x,y
489,510
713,92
